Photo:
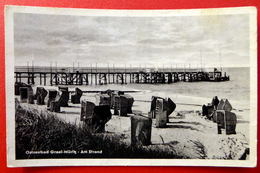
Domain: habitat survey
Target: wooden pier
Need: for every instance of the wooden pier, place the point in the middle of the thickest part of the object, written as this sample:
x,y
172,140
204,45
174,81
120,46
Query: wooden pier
x,y
102,76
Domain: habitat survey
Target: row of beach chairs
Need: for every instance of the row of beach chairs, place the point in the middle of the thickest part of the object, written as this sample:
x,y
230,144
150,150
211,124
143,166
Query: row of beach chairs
x,y
220,113
56,98
95,115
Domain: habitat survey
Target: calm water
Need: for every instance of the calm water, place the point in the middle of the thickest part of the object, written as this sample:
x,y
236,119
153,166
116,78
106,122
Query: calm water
x,y
237,89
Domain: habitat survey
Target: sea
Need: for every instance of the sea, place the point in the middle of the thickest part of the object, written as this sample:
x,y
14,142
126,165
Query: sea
x,y
237,90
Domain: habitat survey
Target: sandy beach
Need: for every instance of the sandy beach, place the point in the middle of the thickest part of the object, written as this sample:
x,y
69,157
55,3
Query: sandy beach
x,y
184,132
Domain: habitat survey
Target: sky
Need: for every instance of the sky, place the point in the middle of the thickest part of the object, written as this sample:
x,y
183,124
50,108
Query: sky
x,y
213,40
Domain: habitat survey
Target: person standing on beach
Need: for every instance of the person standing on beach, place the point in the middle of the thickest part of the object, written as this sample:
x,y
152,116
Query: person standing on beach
x,y
215,102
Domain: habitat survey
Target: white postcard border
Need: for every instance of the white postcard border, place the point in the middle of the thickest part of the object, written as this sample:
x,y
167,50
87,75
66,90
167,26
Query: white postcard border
x,y
9,60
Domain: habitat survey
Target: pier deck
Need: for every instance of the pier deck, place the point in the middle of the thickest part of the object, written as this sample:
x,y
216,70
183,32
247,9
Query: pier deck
x,y
99,76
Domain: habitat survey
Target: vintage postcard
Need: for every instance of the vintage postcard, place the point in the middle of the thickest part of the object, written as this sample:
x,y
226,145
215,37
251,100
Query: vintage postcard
x,y
131,87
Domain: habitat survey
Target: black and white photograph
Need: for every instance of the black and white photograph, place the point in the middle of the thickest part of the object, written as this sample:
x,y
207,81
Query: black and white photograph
x,y
131,87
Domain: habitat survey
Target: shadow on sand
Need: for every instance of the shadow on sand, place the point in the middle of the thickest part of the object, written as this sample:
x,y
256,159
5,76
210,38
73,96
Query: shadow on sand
x,y
181,126
192,123
70,112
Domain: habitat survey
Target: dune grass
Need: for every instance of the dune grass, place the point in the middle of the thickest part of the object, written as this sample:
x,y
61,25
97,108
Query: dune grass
x,y
43,131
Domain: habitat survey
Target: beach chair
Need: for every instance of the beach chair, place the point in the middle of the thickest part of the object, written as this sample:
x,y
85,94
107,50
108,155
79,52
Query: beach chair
x,y
130,101
116,104
30,95
113,94
168,105
87,110
141,130
123,105
41,93
52,95
101,116
75,99
224,105
161,114
23,94
95,117
64,97
60,101
103,99
55,106
226,120
17,87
